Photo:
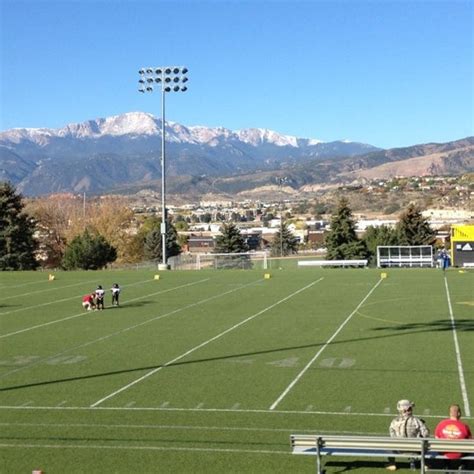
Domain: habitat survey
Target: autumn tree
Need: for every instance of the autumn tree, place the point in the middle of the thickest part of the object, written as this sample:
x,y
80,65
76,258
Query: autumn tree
x,y
113,219
57,217
63,217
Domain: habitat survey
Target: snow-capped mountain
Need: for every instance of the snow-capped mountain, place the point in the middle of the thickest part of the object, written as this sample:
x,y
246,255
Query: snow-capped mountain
x,y
124,149
135,124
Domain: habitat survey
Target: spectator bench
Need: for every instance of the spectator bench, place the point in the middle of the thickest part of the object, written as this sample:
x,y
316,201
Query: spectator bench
x,y
422,449
332,263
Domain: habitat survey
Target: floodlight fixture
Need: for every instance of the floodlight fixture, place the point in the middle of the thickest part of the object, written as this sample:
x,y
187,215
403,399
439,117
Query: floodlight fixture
x,y
170,78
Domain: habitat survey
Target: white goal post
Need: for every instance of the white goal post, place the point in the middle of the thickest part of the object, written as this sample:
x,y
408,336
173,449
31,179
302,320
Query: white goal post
x,y
405,256
218,261
243,260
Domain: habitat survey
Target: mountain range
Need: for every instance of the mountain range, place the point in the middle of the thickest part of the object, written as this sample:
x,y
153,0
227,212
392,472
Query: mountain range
x,y
122,154
98,155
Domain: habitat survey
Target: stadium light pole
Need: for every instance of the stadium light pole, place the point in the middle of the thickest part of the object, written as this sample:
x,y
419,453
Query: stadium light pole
x,y
170,79
281,182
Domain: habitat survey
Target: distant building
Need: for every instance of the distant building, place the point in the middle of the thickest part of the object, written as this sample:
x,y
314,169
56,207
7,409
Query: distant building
x,y
201,243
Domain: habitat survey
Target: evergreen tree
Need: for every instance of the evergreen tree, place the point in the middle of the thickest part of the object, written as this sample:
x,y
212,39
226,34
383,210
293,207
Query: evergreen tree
x,y
230,240
88,252
382,235
342,242
153,245
284,243
414,229
17,245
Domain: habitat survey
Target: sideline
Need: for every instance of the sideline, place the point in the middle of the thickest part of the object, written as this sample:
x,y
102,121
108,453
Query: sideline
x,y
144,448
462,382
216,410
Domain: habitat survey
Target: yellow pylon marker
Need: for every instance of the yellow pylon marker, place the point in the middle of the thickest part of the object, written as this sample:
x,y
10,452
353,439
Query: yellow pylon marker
x,y
462,271
51,277
383,276
157,277
267,276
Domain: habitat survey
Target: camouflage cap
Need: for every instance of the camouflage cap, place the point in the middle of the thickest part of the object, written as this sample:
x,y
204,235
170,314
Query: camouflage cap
x,y
403,405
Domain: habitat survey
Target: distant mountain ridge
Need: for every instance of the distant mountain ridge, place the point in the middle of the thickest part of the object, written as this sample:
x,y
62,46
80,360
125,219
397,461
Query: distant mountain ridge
x,y
98,155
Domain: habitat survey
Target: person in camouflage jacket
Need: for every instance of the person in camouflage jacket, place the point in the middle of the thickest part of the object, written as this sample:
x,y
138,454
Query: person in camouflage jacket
x,y
406,425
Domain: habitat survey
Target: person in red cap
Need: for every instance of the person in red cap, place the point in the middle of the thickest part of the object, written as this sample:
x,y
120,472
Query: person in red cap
x,y
453,428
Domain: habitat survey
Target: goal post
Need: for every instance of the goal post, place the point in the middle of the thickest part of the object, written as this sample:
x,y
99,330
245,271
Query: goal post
x,y
404,256
242,260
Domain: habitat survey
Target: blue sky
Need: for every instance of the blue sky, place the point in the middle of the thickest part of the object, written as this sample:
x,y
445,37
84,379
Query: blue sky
x,y
386,73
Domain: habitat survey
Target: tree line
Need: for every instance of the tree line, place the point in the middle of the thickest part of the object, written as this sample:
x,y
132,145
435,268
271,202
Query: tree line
x,y
64,232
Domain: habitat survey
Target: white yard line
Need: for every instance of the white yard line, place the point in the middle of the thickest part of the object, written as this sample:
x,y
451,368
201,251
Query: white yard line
x,y
217,410
66,299
181,427
8,287
129,328
49,289
205,343
83,313
143,448
462,382
308,365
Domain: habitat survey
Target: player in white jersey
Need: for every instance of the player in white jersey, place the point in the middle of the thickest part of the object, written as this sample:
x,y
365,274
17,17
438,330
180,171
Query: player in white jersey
x,y
99,297
115,294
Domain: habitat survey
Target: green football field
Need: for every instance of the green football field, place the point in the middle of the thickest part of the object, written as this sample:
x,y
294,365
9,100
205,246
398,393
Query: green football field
x,y
211,371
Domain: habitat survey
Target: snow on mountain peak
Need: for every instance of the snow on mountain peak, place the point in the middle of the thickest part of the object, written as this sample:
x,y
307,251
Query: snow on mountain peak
x,y
145,124
132,123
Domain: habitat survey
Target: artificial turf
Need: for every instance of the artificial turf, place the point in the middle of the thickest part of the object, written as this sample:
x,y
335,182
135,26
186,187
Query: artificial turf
x,y
185,375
